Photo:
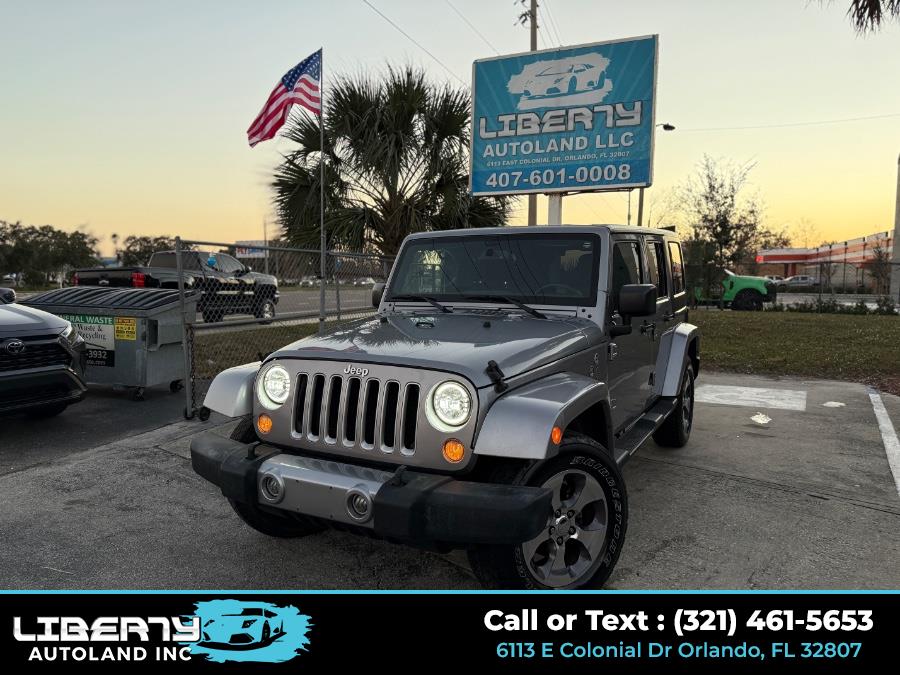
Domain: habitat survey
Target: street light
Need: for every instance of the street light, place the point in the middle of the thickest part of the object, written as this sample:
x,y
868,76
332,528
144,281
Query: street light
x,y
666,126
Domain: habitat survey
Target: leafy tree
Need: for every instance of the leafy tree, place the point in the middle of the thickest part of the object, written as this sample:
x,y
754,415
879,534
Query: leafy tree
x,y
880,267
725,227
869,15
397,163
43,254
137,250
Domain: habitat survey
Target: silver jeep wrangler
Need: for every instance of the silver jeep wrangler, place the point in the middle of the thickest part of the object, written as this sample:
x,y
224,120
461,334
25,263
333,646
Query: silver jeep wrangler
x,y
489,405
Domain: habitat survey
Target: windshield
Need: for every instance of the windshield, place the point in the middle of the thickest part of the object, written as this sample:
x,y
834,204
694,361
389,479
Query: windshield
x,y
545,269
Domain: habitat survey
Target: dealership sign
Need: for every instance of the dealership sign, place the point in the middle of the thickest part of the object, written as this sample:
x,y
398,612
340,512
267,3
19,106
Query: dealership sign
x,y
564,120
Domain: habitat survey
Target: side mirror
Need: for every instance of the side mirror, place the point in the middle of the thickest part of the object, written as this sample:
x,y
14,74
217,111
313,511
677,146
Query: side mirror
x,y
377,293
637,300
7,296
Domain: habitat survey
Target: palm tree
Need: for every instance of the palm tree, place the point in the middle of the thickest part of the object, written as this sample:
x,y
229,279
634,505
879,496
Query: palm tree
x,y
397,162
870,14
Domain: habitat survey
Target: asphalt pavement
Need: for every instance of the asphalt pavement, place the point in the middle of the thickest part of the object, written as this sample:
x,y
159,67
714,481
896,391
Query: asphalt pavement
x,y
785,483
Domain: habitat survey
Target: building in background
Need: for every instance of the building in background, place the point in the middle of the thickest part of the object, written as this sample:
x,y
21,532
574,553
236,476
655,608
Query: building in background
x,y
857,265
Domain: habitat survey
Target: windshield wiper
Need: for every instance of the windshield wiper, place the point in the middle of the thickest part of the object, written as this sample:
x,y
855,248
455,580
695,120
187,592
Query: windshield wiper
x,y
422,298
509,301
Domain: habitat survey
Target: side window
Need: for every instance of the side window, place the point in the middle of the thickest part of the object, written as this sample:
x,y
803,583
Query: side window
x,y
677,267
227,264
626,262
656,263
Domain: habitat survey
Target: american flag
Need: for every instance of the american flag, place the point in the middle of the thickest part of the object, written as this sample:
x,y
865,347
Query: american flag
x,y
299,85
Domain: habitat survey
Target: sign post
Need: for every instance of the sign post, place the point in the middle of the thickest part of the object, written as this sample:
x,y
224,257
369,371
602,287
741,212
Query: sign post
x,y
570,119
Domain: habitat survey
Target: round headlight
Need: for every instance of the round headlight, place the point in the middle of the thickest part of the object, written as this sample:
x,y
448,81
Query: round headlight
x,y
276,386
451,403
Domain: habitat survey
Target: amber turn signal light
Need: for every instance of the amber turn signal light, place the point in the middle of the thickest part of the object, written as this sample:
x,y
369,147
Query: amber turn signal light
x,y
264,424
453,450
556,435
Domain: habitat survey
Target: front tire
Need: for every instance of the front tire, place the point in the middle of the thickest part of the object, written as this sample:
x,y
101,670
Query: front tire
x,y
266,522
676,430
264,309
585,532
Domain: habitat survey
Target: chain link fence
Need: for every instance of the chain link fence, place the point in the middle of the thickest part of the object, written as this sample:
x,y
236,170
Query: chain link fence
x,y
823,284
253,300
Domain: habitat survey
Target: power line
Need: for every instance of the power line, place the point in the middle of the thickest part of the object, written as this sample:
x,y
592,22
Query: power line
x,y
795,124
553,21
414,41
470,25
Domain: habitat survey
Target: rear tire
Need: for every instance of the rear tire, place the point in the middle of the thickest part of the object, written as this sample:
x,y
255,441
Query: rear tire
x,y
266,522
748,301
587,463
676,430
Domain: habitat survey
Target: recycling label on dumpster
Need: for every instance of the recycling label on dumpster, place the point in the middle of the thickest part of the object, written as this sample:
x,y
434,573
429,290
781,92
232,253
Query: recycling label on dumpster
x,y
99,333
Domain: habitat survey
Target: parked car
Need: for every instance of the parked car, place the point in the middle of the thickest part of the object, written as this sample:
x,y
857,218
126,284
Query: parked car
x,y
774,277
226,286
250,628
41,361
737,291
798,281
309,282
508,374
365,281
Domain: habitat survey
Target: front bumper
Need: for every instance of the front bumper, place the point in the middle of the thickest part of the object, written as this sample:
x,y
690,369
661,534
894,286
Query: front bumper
x,y
405,505
24,390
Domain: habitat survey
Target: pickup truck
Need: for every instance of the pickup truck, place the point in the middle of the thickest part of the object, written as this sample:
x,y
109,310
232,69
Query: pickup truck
x,y
226,286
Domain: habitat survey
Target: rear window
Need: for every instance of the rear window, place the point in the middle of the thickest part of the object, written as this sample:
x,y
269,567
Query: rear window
x,y
167,259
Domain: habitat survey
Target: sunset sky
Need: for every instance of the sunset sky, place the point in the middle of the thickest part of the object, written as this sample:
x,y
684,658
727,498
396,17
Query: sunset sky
x,y
130,117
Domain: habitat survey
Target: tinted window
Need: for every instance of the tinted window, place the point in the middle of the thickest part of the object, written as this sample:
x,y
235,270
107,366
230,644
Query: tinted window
x,y
226,263
557,269
677,267
189,260
626,263
656,263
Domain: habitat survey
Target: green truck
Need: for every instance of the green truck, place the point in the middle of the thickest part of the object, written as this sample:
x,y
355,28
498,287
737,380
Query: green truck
x,y
739,292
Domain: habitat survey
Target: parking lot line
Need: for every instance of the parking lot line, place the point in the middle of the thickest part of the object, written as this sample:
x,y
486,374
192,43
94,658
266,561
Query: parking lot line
x,y
752,397
888,436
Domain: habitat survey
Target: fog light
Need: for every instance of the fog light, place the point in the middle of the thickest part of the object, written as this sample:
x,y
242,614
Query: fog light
x,y
359,506
453,450
264,424
272,488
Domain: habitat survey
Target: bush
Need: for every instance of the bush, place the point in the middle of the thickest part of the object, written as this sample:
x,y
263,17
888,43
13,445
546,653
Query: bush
x,y
884,306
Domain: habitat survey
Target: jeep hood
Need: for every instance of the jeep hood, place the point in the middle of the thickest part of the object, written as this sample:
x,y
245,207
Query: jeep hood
x,y
460,342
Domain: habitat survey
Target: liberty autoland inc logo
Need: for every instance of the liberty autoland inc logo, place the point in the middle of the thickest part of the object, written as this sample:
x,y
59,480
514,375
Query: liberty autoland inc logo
x,y
218,631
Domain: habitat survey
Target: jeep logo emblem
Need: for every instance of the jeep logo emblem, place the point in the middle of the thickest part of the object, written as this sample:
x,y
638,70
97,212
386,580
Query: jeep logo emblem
x,y
354,370
14,347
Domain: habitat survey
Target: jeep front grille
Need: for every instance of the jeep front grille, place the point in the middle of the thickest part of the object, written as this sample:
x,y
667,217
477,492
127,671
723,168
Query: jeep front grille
x,y
357,412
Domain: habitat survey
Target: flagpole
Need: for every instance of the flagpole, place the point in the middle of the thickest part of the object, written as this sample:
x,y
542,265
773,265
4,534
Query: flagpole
x,y
322,242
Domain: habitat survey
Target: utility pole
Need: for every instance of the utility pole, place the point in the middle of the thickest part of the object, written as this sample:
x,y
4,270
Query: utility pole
x,y
895,258
530,15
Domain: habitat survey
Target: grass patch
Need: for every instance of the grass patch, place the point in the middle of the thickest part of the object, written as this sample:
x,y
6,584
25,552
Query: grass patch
x,y
858,349
214,351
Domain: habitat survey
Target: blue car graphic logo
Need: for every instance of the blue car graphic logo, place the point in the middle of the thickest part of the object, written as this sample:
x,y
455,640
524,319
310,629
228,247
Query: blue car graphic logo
x,y
235,630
